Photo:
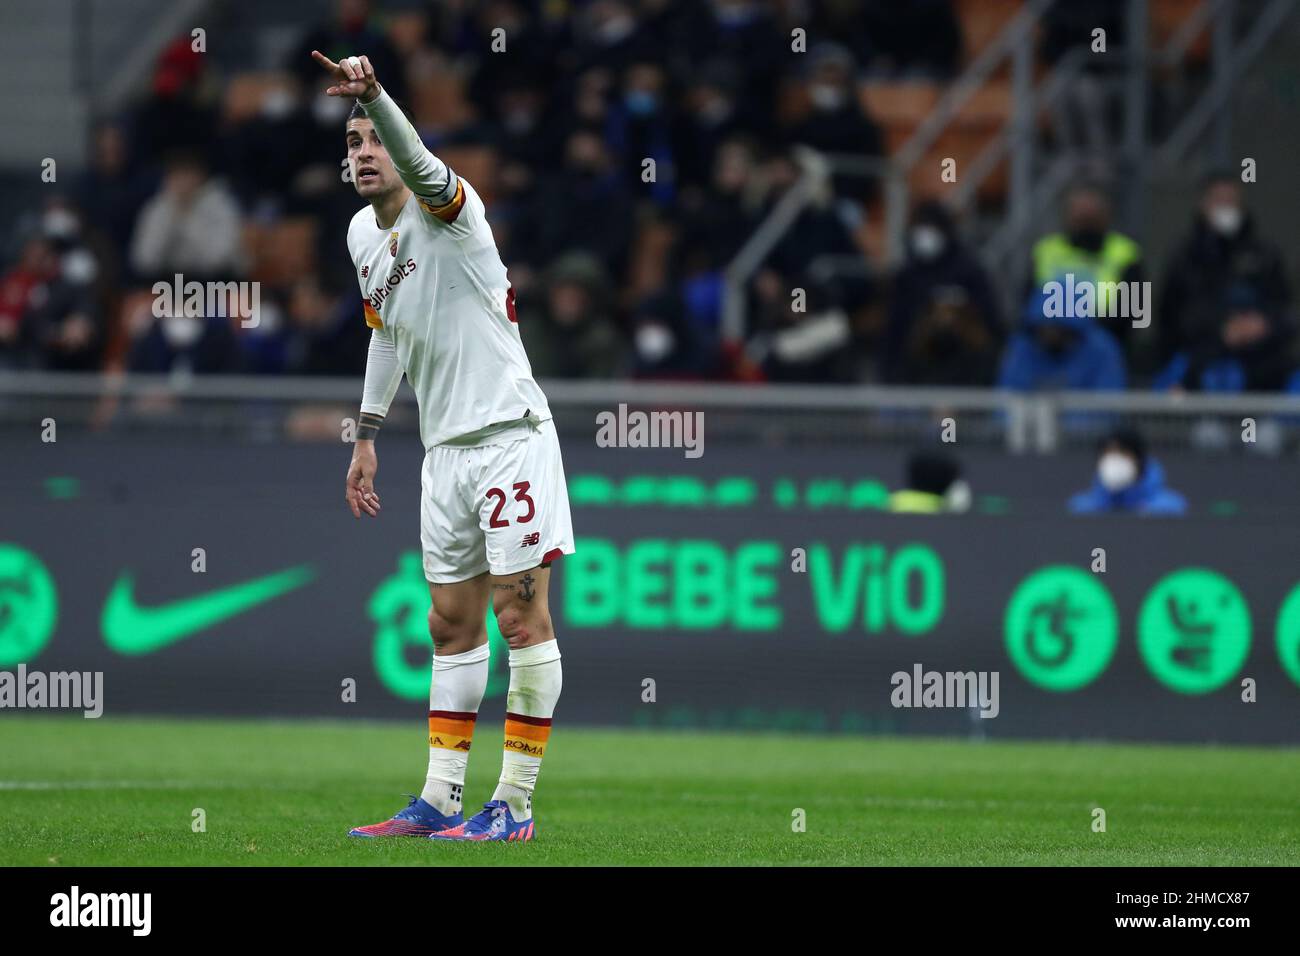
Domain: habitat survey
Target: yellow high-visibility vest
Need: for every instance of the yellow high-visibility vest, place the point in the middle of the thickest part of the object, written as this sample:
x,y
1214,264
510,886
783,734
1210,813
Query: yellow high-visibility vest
x,y
915,502
1054,257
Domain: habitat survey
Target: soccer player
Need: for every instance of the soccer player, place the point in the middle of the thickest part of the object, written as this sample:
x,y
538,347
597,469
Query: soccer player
x,y
494,510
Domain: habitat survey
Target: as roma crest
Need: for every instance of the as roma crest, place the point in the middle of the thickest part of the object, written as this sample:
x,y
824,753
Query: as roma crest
x,y
392,245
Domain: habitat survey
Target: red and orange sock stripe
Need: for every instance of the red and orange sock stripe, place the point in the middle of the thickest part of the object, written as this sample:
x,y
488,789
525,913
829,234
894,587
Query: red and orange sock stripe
x,y
526,735
451,729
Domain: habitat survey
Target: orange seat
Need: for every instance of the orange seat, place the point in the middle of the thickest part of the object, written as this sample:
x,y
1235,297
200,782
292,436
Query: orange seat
x,y
982,20
247,91
478,164
963,145
651,250
898,104
283,251
989,107
1167,16
437,97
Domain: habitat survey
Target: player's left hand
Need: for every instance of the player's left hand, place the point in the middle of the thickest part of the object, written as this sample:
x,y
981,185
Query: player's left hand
x,y
353,76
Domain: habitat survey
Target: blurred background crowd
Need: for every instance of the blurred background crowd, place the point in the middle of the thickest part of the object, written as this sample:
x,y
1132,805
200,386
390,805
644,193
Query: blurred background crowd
x,y
229,165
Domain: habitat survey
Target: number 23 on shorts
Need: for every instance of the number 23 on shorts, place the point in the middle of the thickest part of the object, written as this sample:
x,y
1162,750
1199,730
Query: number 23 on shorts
x,y
521,495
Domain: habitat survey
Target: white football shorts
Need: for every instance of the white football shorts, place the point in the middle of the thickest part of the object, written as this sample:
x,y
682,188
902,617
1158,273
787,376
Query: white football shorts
x,y
501,507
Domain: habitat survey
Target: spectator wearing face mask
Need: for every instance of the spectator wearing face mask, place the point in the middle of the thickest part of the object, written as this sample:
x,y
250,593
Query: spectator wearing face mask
x,y
944,326
665,345
1222,267
836,122
1090,250
1052,352
639,127
1128,481
62,322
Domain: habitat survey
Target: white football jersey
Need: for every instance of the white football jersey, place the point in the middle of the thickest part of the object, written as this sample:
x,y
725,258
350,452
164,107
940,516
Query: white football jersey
x,y
435,290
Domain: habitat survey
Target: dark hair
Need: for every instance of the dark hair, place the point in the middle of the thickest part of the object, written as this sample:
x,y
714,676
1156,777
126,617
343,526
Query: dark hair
x,y
932,472
1220,174
934,212
359,112
1129,439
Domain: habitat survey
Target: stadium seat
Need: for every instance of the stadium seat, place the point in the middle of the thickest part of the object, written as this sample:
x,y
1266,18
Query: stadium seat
x,y
982,20
246,93
437,97
898,108
282,251
650,253
903,103
1167,16
478,164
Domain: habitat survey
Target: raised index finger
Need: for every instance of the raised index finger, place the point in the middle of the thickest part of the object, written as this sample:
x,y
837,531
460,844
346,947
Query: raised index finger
x,y
323,60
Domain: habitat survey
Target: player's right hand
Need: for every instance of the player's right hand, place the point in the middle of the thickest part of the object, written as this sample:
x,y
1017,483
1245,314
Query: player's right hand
x,y
353,76
361,494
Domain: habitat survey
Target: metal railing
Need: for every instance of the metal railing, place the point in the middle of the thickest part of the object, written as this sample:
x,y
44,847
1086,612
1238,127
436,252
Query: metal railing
x,y
1231,59
1014,43
771,414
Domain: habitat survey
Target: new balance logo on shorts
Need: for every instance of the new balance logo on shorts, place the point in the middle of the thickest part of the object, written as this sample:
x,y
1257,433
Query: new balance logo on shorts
x,y
531,539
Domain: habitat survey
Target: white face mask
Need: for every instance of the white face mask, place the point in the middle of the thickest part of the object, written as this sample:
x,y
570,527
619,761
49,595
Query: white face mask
x,y
654,342
958,497
79,267
60,224
1116,471
278,104
826,97
329,110
928,242
182,331
1225,220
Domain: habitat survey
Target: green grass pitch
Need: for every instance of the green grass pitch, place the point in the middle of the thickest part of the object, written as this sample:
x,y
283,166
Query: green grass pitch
x,y
121,791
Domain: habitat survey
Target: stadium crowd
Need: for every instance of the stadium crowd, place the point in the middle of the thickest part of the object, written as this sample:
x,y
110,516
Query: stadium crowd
x,y
239,176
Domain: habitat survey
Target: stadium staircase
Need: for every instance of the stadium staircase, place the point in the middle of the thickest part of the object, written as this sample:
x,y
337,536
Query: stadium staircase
x,y
1203,62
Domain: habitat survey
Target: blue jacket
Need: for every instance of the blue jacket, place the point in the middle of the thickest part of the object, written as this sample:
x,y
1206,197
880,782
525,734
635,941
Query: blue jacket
x,y
1146,496
1096,363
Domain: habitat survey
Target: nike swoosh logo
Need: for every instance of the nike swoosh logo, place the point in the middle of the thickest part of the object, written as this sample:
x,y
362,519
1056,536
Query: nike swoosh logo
x,y
131,629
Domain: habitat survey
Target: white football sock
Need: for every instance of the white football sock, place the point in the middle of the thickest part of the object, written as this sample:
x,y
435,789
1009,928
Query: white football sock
x,y
535,679
459,681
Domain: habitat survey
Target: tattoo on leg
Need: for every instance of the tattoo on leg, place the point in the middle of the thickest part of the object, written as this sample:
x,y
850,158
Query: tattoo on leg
x,y
526,592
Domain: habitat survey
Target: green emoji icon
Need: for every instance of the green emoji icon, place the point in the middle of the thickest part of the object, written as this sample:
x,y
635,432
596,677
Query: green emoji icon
x,y
1288,634
29,605
1194,630
402,652
1061,628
